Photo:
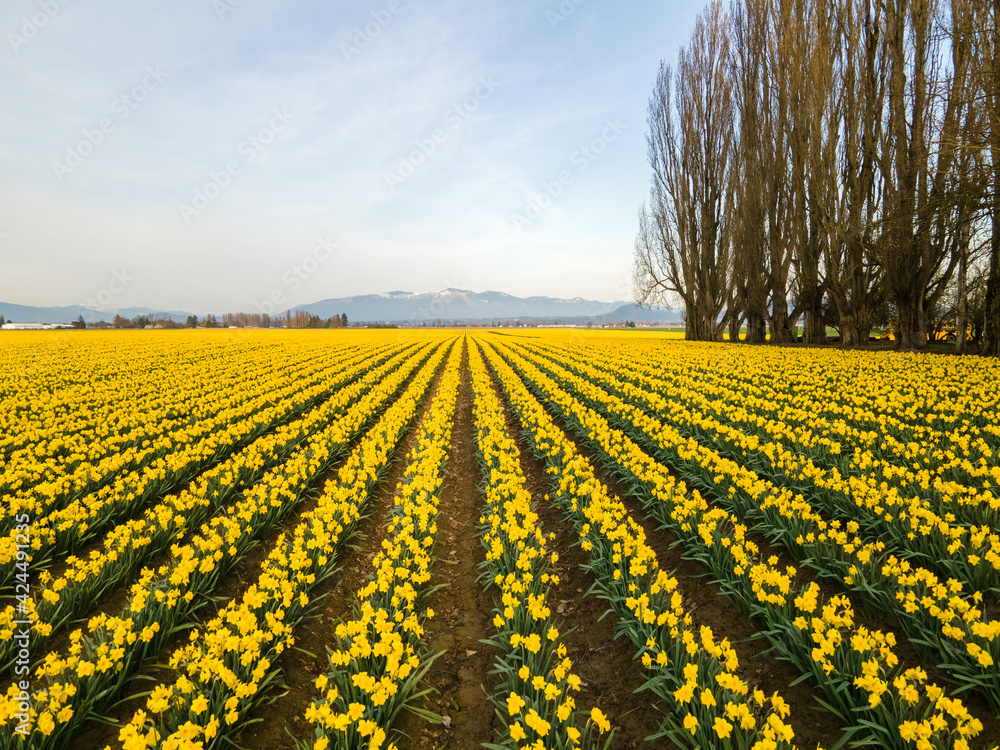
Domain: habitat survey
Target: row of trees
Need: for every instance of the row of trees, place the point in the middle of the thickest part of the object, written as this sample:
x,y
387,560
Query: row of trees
x,y
304,319
139,321
835,161
298,319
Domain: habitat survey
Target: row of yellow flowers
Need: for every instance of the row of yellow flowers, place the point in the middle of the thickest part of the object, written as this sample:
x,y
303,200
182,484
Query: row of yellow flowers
x,y
225,669
848,680
73,411
939,615
67,528
130,545
856,667
924,466
922,412
377,657
948,469
44,387
104,655
708,704
161,435
536,700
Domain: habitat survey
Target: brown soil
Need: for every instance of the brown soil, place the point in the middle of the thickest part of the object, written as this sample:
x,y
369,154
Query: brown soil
x,y
610,674
96,734
281,721
231,587
687,572
110,602
57,565
459,678
710,607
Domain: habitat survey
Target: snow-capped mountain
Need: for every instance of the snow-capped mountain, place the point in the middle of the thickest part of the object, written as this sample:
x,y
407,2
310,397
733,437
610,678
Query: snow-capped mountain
x,y
461,304
405,308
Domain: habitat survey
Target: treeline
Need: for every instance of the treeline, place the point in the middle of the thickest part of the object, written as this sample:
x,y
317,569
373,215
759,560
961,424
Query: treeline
x,y
829,161
304,319
297,319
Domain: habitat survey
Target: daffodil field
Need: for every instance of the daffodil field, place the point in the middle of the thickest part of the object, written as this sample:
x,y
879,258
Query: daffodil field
x,y
228,538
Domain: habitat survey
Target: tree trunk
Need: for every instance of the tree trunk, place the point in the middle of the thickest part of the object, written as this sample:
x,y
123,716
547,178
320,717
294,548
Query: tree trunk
x,y
781,326
991,329
851,333
756,329
962,311
911,333
781,330
813,330
709,321
733,325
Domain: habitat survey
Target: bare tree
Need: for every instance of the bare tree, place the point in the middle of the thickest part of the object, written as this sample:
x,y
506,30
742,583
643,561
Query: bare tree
x,y
753,162
833,151
684,244
844,182
987,81
785,30
814,139
927,113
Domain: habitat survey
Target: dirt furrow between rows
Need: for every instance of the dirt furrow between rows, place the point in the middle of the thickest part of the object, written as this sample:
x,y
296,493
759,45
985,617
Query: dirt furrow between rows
x,y
709,606
281,722
611,676
245,574
767,669
459,678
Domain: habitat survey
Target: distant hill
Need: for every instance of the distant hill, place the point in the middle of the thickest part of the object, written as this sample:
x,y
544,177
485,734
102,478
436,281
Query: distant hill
x,y
632,311
461,304
405,308
69,313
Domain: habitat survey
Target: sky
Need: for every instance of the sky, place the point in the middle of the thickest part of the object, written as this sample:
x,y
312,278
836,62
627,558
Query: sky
x,y
215,155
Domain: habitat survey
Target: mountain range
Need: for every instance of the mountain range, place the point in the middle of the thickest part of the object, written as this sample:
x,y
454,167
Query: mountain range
x,y
412,308
69,313
463,305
